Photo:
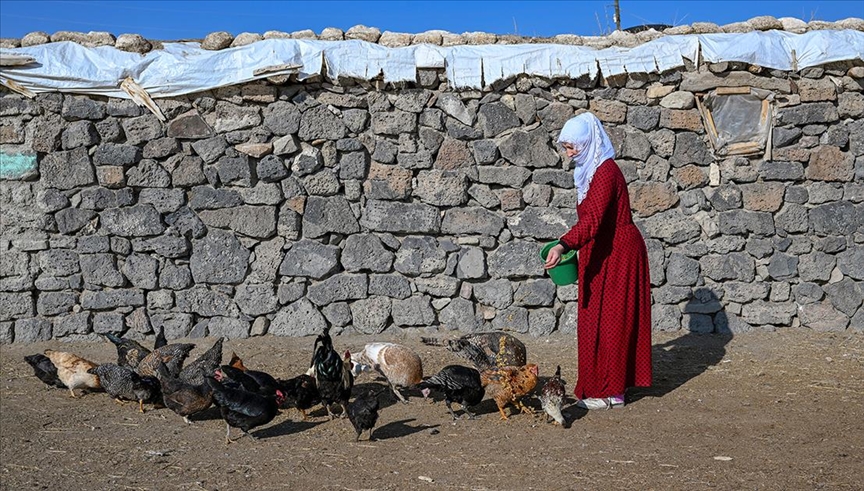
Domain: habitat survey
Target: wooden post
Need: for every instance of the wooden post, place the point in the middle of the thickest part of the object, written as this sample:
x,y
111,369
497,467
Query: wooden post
x,y
617,15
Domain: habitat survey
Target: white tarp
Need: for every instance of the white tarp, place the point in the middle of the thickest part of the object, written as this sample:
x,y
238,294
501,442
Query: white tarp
x,y
183,68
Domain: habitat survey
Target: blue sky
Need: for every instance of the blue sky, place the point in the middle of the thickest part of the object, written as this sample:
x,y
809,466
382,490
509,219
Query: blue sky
x,y
192,19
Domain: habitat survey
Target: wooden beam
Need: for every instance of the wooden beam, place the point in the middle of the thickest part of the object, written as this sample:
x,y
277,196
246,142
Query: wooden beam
x,y
141,97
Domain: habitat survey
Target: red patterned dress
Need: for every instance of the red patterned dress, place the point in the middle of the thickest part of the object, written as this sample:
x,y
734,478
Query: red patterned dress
x,y
614,313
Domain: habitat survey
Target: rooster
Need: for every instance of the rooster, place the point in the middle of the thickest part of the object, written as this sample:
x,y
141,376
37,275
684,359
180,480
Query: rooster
x,y
248,380
44,370
459,384
172,355
122,383
399,364
72,370
243,409
204,366
332,376
551,396
509,384
129,352
485,350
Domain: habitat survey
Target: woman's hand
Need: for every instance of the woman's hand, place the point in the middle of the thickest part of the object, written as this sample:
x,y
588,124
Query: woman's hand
x,y
554,256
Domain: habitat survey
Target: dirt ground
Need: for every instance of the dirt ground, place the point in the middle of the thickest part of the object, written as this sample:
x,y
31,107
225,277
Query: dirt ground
x,y
779,410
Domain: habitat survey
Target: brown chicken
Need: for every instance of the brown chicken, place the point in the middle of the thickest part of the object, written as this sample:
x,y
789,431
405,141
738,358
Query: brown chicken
x,y
172,355
509,385
72,370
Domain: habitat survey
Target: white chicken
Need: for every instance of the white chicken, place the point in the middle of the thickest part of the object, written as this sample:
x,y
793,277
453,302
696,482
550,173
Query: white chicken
x,y
400,365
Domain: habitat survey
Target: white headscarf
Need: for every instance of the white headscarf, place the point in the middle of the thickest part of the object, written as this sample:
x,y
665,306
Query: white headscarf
x,y
592,145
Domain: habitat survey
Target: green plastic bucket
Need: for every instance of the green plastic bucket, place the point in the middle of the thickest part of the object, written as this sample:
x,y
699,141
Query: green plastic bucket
x,y
566,272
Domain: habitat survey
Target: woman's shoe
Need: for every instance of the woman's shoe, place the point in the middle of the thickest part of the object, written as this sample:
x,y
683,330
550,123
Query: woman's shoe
x,y
616,402
593,403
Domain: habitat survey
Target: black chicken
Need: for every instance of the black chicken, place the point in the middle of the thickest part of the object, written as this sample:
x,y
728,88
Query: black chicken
x,y
44,370
363,414
129,352
459,384
160,339
122,383
183,398
204,366
333,378
300,392
485,350
248,380
243,409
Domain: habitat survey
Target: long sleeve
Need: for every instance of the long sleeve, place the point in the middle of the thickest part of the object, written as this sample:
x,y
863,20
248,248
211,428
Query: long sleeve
x,y
591,211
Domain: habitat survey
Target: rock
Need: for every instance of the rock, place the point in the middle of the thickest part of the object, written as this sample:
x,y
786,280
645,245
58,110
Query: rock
x,y
111,299
252,221
839,218
645,118
132,43
850,105
828,163
535,293
781,171
72,220
846,295
705,81
442,188
453,106
387,182
311,259
81,107
672,227
132,221
540,223
390,285
35,38
326,215
385,216
513,319
413,311
733,266
783,266
472,263
816,90
105,322
813,113
763,196
419,255
363,33
370,315
741,292
100,269
365,252
516,259
174,277
682,271
338,288
67,170
228,328
441,286
822,317
218,258
495,118
142,129
319,122
650,198
528,149
510,176
740,222
678,100
217,40
851,262
54,303
471,220
77,134
459,315
608,111
690,149
681,119
453,154
256,299
141,271
300,318
31,330
205,302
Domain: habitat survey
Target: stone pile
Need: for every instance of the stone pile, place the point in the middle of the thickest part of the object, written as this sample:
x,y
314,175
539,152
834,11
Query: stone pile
x,y
280,209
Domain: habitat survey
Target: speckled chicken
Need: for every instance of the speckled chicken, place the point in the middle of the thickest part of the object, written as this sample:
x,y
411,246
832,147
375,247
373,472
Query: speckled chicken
x,y
123,384
72,370
206,364
459,384
485,350
44,370
509,384
399,364
180,397
129,352
551,397
172,355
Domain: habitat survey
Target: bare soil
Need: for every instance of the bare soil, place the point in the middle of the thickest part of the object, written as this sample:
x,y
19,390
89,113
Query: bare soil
x,y
779,410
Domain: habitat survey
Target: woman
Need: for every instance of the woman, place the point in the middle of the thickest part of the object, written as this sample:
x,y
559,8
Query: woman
x,y
614,310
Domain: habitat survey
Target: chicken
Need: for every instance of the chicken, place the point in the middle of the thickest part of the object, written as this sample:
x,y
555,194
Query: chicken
x,y
551,396
172,355
485,350
243,409
249,380
72,370
332,374
160,339
204,366
300,392
44,370
129,352
236,362
122,383
400,365
509,385
182,398
363,414
459,384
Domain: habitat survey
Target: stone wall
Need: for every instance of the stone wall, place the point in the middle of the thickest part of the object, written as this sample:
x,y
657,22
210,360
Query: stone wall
x,y
282,208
